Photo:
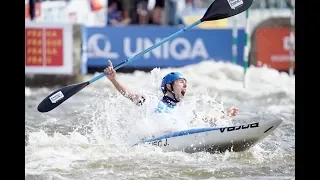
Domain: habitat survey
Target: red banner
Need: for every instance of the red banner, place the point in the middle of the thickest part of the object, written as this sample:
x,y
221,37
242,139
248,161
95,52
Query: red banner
x,y
44,46
273,48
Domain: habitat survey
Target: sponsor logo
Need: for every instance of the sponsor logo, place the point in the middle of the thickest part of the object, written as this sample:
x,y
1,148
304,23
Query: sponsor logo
x,y
235,3
56,97
274,48
95,51
235,128
178,48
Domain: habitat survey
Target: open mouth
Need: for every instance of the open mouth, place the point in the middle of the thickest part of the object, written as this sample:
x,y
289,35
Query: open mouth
x,y
183,92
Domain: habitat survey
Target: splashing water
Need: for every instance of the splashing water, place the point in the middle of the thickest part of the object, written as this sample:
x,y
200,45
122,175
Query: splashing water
x,y
90,135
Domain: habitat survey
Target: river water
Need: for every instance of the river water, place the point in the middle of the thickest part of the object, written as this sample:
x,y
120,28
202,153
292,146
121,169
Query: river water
x,y
90,135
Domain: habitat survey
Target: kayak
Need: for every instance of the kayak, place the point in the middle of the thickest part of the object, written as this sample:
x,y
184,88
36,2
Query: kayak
x,y
215,139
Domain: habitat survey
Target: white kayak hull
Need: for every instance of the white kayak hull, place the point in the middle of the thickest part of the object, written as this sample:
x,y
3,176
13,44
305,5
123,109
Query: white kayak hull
x,y
233,138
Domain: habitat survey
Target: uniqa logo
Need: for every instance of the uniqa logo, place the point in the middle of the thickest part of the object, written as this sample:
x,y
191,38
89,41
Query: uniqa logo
x,y
178,48
94,50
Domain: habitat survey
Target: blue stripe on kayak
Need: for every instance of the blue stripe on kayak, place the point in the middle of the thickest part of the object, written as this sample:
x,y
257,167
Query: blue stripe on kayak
x,y
180,133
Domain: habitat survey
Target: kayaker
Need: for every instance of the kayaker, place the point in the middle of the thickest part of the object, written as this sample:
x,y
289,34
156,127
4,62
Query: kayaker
x,y
173,86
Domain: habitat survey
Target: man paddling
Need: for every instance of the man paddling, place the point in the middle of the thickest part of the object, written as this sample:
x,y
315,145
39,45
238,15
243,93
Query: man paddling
x,y
173,86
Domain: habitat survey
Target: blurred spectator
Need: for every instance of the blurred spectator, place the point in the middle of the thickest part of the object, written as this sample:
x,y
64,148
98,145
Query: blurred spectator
x,y
143,12
116,13
162,12
149,12
157,13
172,16
126,11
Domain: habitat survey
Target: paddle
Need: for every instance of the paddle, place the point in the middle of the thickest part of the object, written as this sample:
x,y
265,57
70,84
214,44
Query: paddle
x,y
219,9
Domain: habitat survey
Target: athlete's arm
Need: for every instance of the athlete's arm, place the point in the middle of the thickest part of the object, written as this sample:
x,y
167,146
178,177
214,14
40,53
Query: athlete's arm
x,y
126,92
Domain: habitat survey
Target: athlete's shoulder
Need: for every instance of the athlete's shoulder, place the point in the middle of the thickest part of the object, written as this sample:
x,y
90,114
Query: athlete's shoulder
x,y
163,107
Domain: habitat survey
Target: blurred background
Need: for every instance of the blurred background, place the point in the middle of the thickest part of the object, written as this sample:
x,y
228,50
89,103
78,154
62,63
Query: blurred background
x,y
118,29
245,61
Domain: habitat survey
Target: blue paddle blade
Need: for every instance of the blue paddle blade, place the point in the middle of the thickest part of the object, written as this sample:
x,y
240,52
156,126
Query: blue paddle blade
x,y
59,96
221,9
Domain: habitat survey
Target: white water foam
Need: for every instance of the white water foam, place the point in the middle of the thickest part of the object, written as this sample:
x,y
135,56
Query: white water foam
x,y
112,123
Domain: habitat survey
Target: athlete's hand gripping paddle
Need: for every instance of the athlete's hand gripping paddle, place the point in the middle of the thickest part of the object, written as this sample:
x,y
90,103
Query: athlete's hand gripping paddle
x,y
219,9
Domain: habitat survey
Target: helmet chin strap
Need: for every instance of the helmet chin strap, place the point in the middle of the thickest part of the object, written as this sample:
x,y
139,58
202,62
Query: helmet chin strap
x,y
174,95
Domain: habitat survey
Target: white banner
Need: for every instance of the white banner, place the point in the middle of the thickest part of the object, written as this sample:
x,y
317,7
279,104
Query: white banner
x,y
48,48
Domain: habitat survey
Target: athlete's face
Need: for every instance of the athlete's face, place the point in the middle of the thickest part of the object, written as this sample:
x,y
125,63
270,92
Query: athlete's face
x,y
179,88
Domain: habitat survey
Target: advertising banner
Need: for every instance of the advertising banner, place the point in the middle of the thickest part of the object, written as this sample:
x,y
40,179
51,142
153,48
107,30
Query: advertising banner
x,y
117,44
48,48
273,47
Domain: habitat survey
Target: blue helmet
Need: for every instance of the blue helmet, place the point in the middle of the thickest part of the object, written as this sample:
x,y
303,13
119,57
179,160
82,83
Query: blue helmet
x,y
169,79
